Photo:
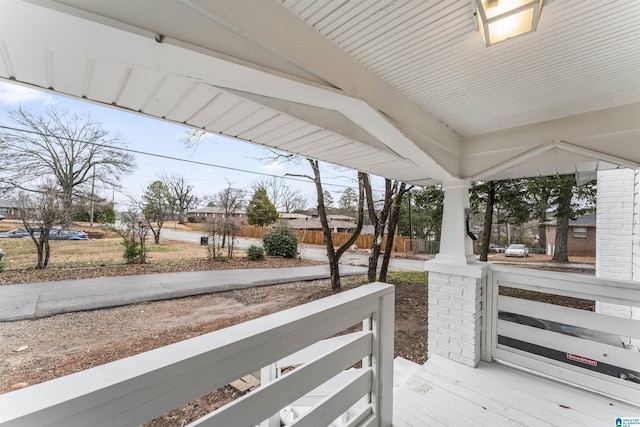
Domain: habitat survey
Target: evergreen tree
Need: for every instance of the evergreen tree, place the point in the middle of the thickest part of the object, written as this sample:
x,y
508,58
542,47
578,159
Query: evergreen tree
x,y
156,207
348,203
261,211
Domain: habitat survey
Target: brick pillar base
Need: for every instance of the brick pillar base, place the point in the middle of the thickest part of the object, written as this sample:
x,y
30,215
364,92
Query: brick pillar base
x,y
455,311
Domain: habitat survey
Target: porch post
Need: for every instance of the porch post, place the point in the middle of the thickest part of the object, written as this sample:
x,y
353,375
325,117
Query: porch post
x,y
455,246
456,283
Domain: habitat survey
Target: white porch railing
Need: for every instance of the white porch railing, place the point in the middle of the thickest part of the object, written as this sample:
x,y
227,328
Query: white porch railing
x,y
137,389
565,343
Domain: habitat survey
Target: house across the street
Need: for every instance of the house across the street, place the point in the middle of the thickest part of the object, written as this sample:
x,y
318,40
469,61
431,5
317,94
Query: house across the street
x,y
581,240
211,212
9,208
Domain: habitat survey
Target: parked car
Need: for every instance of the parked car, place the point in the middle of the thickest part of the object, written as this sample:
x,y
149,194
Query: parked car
x,y
497,249
63,234
1,217
16,233
517,250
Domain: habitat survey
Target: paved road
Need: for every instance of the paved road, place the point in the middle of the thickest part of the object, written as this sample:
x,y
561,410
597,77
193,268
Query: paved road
x,y
313,252
31,301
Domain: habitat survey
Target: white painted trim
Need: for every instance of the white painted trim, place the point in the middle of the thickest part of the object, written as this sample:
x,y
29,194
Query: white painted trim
x,y
476,269
573,285
139,388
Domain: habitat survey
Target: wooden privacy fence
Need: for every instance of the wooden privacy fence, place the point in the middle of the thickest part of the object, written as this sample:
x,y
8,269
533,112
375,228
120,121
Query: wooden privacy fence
x,y
364,241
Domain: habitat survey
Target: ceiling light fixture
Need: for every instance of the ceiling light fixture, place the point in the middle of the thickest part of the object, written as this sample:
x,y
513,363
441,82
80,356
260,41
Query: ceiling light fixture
x,y
500,20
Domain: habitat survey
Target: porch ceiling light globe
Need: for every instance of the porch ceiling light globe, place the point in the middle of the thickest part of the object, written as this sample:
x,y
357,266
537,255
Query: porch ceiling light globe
x,y
500,20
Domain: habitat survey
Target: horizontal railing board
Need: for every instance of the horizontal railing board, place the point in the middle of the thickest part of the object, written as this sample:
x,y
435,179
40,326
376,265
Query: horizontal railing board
x,y
572,285
319,393
593,350
310,352
284,390
571,316
338,403
588,380
134,390
359,419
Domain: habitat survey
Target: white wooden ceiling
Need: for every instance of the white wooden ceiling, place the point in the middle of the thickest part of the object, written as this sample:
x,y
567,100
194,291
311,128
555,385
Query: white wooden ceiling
x,y
400,88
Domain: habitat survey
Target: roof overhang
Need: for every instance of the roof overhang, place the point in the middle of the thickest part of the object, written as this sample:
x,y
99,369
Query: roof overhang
x,y
375,89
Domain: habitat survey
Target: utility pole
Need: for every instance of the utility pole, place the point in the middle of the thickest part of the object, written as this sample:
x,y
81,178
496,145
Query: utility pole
x,y
410,223
93,185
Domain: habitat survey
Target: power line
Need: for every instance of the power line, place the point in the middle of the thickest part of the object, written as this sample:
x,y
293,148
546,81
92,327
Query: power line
x,y
161,156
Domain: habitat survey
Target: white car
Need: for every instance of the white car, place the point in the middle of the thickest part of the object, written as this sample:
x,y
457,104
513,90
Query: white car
x,y
517,250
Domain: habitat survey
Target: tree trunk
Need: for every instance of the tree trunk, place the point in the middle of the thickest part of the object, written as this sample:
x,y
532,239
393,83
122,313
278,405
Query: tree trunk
x,y
542,235
563,212
379,223
488,222
332,254
374,256
394,216
561,253
43,253
40,247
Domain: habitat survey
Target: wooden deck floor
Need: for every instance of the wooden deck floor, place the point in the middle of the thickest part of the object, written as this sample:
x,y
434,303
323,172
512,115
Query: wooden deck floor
x,y
445,393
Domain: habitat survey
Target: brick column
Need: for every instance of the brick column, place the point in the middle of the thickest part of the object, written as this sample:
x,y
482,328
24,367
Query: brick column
x,y
618,235
615,232
455,311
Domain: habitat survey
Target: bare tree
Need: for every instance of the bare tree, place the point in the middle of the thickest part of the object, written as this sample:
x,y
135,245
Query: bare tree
x,y
133,230
230,200
71,149
387,217
332,253
285,197
181,195
215,228
40,212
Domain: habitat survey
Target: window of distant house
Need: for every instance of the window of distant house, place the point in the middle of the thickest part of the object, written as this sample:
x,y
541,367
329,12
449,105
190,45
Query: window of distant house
x,y
5,211
580,232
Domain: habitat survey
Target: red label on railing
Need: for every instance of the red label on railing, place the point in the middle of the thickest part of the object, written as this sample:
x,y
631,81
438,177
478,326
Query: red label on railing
x,y
581,359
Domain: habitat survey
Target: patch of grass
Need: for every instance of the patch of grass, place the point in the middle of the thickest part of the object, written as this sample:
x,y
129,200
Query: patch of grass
x,y
158,248
394,278
21,253
420,277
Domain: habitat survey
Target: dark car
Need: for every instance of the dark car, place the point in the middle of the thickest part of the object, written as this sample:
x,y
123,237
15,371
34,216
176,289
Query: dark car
x,y
1,217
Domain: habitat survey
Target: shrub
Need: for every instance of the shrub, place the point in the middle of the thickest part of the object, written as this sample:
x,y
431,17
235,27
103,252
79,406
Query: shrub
x,y
281,242
255,253
1,266
191,220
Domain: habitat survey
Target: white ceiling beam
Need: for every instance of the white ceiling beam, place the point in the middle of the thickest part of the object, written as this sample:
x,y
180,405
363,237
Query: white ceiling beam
x,y
296,41
611,133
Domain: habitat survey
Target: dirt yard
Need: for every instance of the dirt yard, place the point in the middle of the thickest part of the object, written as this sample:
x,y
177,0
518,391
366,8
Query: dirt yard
x,y
40,350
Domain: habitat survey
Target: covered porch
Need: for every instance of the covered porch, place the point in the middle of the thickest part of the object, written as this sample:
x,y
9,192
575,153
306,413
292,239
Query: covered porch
x,y
311,376
405,90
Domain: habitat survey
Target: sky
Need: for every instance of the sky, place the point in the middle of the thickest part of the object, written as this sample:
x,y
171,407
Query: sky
x,y
151,135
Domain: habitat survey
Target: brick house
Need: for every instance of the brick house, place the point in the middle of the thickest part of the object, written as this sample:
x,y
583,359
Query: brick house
x,y
581,240
201,214
9,208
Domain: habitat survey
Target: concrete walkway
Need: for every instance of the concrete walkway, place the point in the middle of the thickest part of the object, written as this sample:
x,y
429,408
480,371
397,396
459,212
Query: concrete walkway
x,y
32,301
